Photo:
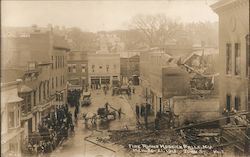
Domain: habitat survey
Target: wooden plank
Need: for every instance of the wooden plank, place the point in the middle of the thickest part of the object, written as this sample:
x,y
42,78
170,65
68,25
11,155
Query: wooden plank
x,y
212,120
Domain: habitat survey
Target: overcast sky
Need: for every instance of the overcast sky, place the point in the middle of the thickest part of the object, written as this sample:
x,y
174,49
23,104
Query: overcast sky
x,y
101,15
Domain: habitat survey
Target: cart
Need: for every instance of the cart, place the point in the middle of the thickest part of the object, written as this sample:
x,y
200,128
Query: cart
x,y
105,114
86,99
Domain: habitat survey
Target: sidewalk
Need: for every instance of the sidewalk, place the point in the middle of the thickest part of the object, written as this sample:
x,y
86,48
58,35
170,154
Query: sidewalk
x,y
138,98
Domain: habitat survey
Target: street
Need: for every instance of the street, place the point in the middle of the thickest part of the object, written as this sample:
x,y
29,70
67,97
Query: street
x,y
76,144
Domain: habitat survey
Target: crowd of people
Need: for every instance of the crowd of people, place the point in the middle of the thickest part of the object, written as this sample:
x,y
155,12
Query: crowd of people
x,y
52,131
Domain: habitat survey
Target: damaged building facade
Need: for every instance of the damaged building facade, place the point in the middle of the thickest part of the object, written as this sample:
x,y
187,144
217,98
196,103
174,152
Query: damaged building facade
x,y
170,83
153,65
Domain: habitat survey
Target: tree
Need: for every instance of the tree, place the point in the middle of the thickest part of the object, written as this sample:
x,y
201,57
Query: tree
x,y
82,40
157,29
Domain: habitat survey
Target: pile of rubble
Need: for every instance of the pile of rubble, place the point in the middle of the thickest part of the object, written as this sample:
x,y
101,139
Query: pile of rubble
x,y
126,137
190,137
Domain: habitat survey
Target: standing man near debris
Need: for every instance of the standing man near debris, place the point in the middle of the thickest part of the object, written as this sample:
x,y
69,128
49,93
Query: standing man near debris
x,y
75,114
107,106
133,90
119,113
93,119
137,110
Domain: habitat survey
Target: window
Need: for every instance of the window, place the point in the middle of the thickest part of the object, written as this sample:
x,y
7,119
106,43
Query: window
x,y
237,59
59,64
74,68
18,118
83,68
48,88
35,98
40,92
228,102
61,80
93,68
52,59
247,55
44,94
69,68
229,59
56,62
100,67
27,100
11,119
107,68
237,103
56,82
52,83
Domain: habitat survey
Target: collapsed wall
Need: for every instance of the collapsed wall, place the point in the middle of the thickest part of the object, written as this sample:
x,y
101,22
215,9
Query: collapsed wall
x,y
193,109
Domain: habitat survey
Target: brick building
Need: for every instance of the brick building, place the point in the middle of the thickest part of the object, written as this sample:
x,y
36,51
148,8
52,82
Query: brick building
x,y
77,62
234,71
39,60
233,53
130,67
103,68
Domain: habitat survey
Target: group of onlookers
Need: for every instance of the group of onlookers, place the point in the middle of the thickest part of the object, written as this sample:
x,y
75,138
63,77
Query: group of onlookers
x,y
52,131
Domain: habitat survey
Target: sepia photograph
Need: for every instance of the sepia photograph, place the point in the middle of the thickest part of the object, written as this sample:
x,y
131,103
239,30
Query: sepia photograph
x,y
125,78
